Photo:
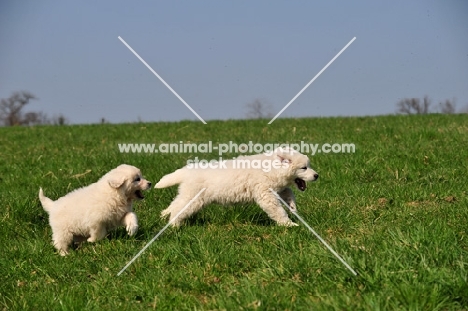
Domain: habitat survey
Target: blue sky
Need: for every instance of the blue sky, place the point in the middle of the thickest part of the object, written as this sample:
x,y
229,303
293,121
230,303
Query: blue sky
x,y
221,55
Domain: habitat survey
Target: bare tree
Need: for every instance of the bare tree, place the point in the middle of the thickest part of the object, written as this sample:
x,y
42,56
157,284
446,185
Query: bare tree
x,y
34,118
11,108
11,112
447,107
59,120
413,106
258,109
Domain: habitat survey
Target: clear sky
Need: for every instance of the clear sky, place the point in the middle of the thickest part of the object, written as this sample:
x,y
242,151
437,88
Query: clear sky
x,y
221,55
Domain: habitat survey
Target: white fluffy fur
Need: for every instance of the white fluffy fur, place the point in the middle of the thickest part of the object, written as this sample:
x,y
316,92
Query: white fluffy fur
x,y
88,213
229,185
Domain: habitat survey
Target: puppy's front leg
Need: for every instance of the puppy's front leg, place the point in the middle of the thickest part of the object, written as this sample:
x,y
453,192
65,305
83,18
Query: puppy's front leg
x,y
288,196
130,222
272,206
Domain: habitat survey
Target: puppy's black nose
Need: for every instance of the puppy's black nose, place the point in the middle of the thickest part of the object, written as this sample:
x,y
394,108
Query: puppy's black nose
x,y
316,176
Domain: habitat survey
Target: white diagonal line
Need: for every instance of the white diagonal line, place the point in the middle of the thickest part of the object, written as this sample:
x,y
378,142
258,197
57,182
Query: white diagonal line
x,y
313,79
315,233
162,80
160,232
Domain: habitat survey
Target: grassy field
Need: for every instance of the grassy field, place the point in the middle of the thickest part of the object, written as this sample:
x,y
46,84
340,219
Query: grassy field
x,y
396,210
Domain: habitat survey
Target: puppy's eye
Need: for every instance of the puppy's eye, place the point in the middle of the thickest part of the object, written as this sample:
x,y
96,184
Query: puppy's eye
x,y
304,168
137,179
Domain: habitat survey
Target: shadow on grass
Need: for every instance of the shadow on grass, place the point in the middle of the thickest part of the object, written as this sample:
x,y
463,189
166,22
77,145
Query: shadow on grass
x,y
236,214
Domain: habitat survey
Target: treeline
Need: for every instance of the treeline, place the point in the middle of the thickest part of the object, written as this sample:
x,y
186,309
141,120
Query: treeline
x,y
12,110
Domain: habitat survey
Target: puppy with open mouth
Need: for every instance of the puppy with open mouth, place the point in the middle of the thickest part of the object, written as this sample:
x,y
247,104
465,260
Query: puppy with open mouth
x,y
236,181
90,212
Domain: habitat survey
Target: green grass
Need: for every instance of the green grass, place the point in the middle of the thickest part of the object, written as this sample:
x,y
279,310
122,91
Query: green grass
x,y
396,210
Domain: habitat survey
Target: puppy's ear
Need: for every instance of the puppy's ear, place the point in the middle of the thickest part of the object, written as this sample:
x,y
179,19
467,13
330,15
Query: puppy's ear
x,y
282,159
116,182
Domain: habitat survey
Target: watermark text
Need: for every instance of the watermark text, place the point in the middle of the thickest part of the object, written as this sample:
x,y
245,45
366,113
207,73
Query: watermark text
x,y
236,148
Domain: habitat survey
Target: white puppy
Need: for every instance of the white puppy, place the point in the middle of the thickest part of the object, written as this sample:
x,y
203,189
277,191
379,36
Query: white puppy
x,y
88,213
244,179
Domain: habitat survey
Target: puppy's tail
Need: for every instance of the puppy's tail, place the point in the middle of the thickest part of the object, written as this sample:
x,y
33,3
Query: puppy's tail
x,y
45,201
171,179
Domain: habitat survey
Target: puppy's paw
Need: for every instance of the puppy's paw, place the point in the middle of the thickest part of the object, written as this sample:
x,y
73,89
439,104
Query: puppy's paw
x,y
176,223
132,229
130,222
63,252
165,213
288,224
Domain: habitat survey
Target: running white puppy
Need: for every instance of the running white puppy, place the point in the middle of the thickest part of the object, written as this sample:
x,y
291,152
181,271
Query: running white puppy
x,y
244,179
88,213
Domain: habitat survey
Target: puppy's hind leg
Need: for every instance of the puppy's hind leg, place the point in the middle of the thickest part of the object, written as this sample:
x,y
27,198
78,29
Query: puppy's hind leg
x,y
177,206
97,233
62,241
272,206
